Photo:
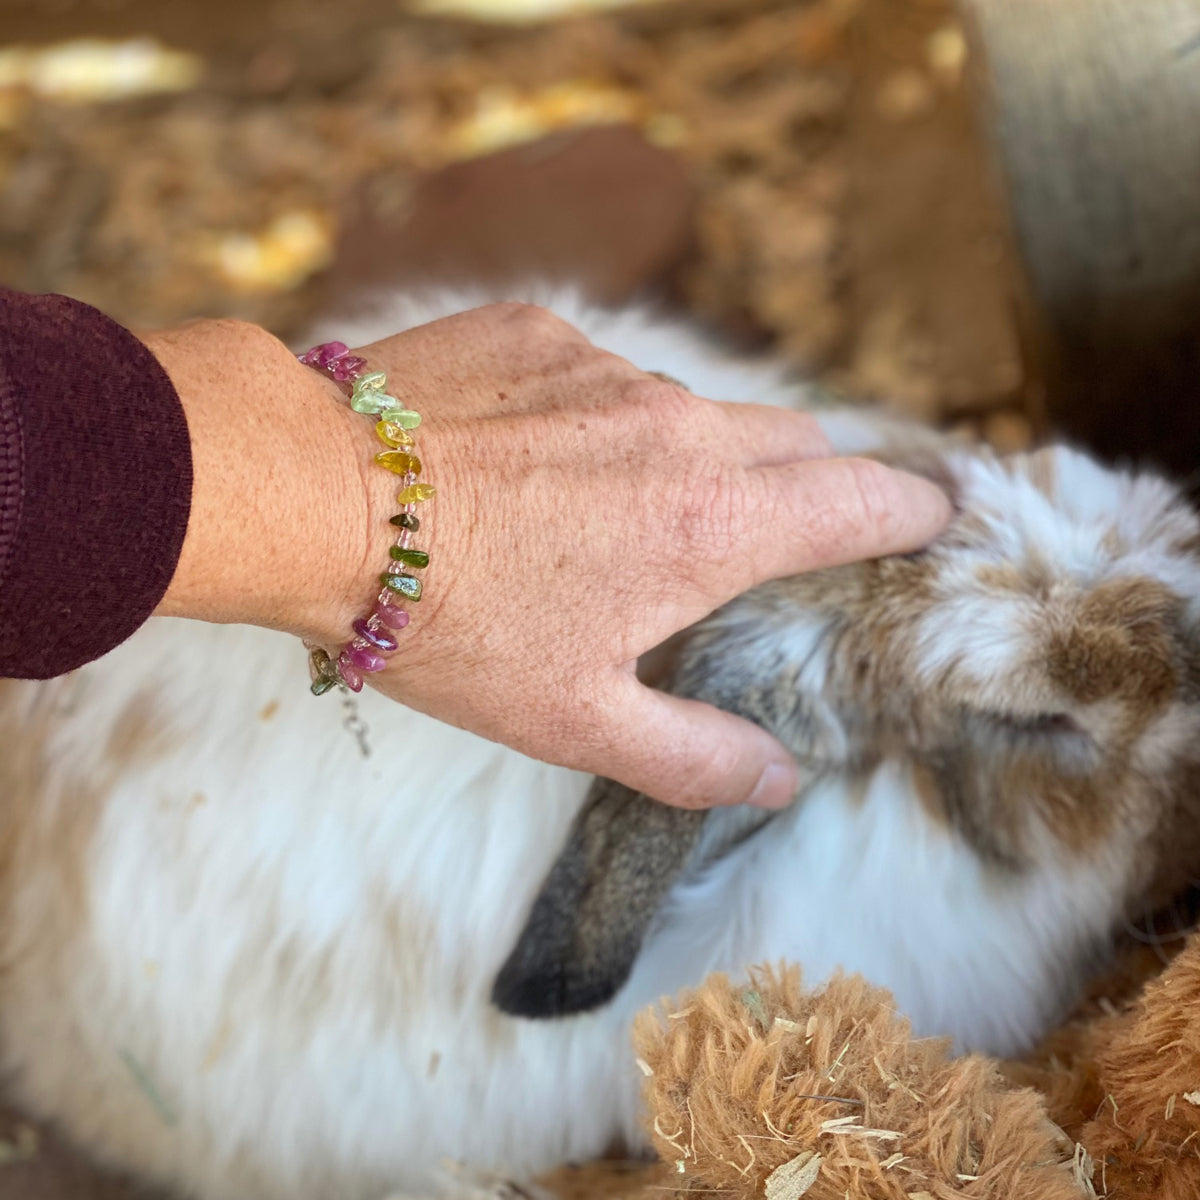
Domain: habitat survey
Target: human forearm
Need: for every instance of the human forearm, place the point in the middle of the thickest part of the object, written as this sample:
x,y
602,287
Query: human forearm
x,y
280,532
586,512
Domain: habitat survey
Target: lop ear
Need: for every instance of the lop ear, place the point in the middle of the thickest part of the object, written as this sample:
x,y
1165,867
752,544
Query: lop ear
x,y
592,915
625,852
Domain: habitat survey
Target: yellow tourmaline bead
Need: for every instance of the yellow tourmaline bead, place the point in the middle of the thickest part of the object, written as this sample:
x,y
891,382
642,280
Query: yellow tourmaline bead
x,y
415,493
400,462
392,435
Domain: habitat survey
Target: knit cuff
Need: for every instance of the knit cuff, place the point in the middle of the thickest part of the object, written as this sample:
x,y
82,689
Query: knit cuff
x,y
95,484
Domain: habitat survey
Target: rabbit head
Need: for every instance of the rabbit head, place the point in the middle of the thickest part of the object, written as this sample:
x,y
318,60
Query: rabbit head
x,y
1036,671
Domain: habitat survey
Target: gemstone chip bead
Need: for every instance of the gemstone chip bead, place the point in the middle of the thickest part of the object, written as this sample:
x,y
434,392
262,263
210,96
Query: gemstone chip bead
x,y
347,368
365,660
325,354
370,402
351,677
368,396
379,638
400,462
405,521
416,493
410,558
391,616
405,585
372,381
322,671
331,352
404,417
392,435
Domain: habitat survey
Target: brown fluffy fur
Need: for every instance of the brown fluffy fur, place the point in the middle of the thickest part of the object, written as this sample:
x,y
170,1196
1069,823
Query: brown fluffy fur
x,y
747,1079
1145,1137
768,1089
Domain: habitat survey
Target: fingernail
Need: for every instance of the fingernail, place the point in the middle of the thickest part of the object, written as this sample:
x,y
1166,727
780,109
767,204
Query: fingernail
x,y
776,787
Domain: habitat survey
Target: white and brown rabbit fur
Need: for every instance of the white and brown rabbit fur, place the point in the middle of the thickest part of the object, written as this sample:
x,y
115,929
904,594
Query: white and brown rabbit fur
x,y
242,959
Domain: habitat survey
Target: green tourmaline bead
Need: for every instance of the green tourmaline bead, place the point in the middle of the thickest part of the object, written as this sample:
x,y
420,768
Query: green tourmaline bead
x,y
410,558
372,381
406,521
399,461
404,585
404,417
371,402
323,671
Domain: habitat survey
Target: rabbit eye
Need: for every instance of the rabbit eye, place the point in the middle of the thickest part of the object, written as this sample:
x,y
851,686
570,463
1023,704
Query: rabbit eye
x,y
1053,724
1049,723
1056,734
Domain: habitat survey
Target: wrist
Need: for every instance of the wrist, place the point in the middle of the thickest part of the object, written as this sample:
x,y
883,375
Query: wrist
x,y
280,527
370,639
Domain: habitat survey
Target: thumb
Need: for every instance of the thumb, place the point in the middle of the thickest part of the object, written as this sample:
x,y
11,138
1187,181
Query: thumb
x,y
692,755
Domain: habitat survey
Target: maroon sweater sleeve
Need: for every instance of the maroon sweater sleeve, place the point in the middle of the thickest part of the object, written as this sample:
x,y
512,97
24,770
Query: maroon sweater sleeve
x,y
95,484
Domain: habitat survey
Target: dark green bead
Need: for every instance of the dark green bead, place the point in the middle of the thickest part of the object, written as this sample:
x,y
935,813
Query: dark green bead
x,y
406,521
410,558
404,585
323,685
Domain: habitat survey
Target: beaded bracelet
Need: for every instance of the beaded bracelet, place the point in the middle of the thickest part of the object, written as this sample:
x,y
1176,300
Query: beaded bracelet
x,y
375,634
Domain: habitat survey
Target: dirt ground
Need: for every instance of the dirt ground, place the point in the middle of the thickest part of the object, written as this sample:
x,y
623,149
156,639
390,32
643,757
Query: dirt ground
x,y
801,175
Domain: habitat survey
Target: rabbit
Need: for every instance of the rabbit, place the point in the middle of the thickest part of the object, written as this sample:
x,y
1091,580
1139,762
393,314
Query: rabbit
x,y
245,960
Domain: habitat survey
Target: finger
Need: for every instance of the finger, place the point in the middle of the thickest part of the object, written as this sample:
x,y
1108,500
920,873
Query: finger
x,y
771,437
840,510
690,754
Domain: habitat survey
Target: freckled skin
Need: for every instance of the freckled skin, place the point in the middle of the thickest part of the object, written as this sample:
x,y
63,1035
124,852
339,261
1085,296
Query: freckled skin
x,y
536,440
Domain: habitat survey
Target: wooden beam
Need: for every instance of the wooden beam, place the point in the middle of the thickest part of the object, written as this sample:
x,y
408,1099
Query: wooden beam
x,y
1094,111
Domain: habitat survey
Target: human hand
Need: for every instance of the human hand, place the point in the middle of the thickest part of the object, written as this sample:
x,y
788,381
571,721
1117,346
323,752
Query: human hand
x,y
585,513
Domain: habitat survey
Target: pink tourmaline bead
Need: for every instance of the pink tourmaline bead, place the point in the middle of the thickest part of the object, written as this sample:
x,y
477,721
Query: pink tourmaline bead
x,y
310,357
330,352
348,368
350,677
364,659
391,616
379,638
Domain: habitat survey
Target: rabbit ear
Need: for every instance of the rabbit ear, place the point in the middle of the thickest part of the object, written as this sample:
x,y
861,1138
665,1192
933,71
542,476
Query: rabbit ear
x,y
589,920
625,852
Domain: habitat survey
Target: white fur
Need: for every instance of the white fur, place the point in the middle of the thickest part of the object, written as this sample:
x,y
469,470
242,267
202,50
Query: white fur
x,y
239,951
278,987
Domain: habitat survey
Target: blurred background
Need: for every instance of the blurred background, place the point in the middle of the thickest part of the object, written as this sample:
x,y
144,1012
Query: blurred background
x,y
803,174
1000,246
